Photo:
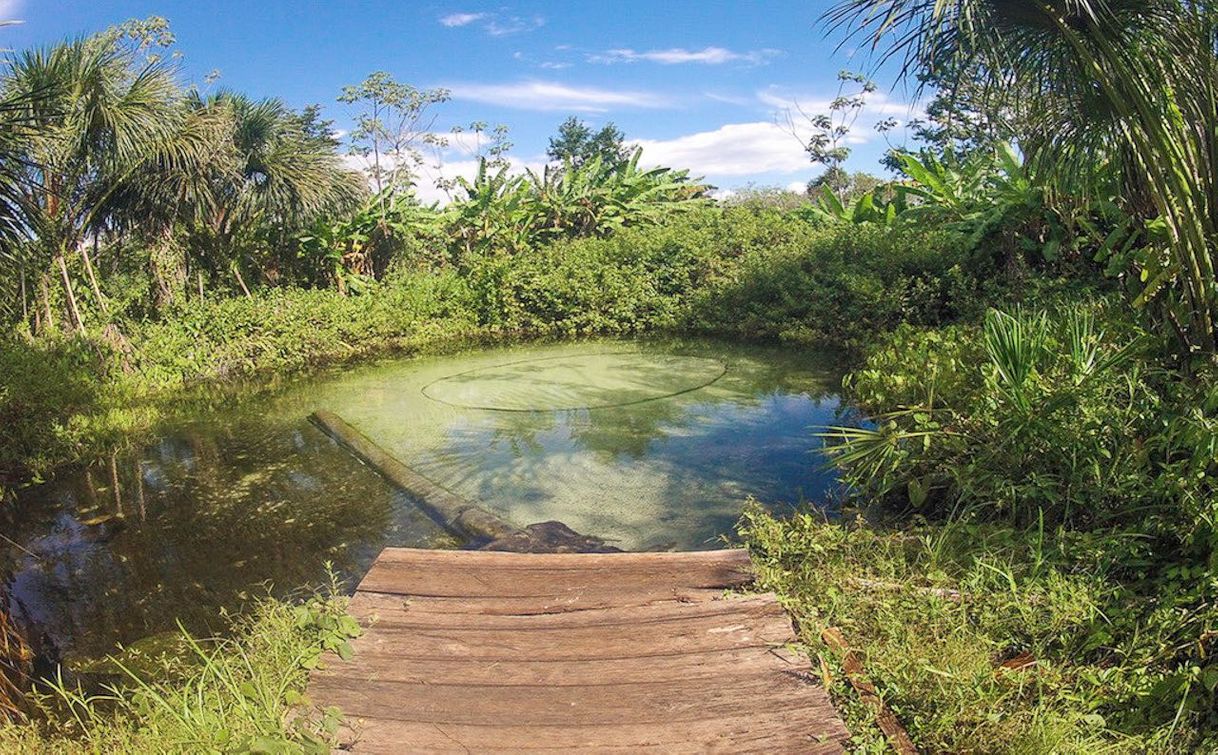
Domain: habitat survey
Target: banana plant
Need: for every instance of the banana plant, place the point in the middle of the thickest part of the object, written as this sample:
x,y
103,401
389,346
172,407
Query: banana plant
x,y
355,251
600,196
492,215
502,212
885,205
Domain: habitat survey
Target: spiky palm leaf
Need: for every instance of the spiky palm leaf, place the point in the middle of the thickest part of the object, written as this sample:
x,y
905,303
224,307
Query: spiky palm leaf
x,y
97,113
265,175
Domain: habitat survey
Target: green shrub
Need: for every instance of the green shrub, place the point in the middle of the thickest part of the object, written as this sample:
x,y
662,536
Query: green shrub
x,y
838,285
283,330
1075,423
42,386
1025,417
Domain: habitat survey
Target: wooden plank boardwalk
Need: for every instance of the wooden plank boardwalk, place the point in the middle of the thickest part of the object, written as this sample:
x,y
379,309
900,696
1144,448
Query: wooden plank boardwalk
x,y
473,651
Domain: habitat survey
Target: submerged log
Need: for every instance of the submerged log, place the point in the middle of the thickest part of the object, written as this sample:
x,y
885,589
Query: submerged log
x,y
453,512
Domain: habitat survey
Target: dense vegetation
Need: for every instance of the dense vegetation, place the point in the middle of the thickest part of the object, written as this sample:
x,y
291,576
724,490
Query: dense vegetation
x,y
1029,555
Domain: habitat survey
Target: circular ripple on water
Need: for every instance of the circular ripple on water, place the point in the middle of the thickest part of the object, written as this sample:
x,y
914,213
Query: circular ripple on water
x,y
582,381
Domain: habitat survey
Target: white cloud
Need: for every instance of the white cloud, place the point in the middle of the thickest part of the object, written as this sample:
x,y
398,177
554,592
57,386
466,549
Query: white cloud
x,y
503,26
494,24
729,99
735,149
9,8
877,103
545,95
679,55
461,19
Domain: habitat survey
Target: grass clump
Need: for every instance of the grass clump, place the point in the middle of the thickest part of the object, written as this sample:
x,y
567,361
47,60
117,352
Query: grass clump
x,y
983,637
240,693
1052,471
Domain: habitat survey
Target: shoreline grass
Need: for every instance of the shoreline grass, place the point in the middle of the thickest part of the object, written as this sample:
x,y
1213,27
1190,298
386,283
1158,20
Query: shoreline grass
x,y
244,692
981,637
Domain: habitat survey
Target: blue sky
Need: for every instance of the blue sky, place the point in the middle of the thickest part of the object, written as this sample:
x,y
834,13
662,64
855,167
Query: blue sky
x,y
698,84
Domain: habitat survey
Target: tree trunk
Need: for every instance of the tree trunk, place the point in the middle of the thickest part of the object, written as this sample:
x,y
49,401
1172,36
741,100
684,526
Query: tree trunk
x,y
167,264
74,311
43,317
241,281
139,490
115,488
25,304
97,294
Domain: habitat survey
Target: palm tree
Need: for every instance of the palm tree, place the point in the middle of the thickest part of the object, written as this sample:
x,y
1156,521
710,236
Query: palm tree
x,y
100,115
1112,89
280,170
16,129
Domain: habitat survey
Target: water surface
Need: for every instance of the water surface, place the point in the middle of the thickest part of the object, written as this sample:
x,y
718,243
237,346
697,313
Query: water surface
x,y
648,445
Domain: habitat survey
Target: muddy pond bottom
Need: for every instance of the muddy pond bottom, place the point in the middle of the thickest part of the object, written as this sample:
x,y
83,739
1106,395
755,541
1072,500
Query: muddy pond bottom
x,y
645,444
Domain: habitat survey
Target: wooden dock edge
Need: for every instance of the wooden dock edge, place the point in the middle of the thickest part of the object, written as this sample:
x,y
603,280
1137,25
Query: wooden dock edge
x,y
454,513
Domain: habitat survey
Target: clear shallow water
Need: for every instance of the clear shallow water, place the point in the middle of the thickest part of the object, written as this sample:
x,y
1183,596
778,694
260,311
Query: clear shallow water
x,y
650,445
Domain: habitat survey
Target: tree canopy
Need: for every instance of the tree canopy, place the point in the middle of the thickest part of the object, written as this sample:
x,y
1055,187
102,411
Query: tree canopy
x,y
577,142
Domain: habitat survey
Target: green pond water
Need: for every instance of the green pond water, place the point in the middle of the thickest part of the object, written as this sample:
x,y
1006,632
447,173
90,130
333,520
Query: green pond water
x,y
647,445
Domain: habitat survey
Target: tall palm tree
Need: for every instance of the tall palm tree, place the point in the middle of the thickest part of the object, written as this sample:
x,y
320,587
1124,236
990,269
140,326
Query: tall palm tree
x,y
1112,88
101,114
278,173
16,129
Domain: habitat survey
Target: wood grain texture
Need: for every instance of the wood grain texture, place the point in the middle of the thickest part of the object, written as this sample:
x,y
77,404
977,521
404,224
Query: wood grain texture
x,y
474,651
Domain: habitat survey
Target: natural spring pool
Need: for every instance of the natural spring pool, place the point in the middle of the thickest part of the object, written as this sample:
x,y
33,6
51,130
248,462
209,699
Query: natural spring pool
x,y
646,444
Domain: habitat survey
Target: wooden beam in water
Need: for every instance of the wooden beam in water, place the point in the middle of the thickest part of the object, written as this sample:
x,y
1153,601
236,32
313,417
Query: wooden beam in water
x,y
452,511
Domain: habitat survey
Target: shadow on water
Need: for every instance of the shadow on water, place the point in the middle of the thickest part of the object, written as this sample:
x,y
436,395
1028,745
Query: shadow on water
x,y
218,511
207,518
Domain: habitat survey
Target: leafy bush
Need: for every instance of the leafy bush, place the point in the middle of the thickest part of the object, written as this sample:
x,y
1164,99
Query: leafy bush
x,y
839,285
1071,422
636,280
42,386
284,330
1023,417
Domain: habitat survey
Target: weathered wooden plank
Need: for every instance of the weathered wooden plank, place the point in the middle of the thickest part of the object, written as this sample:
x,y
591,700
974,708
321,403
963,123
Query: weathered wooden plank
x,y
469,651
525,605
672,701
573,643
707,664
813,731
394,611
452,578
423,557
